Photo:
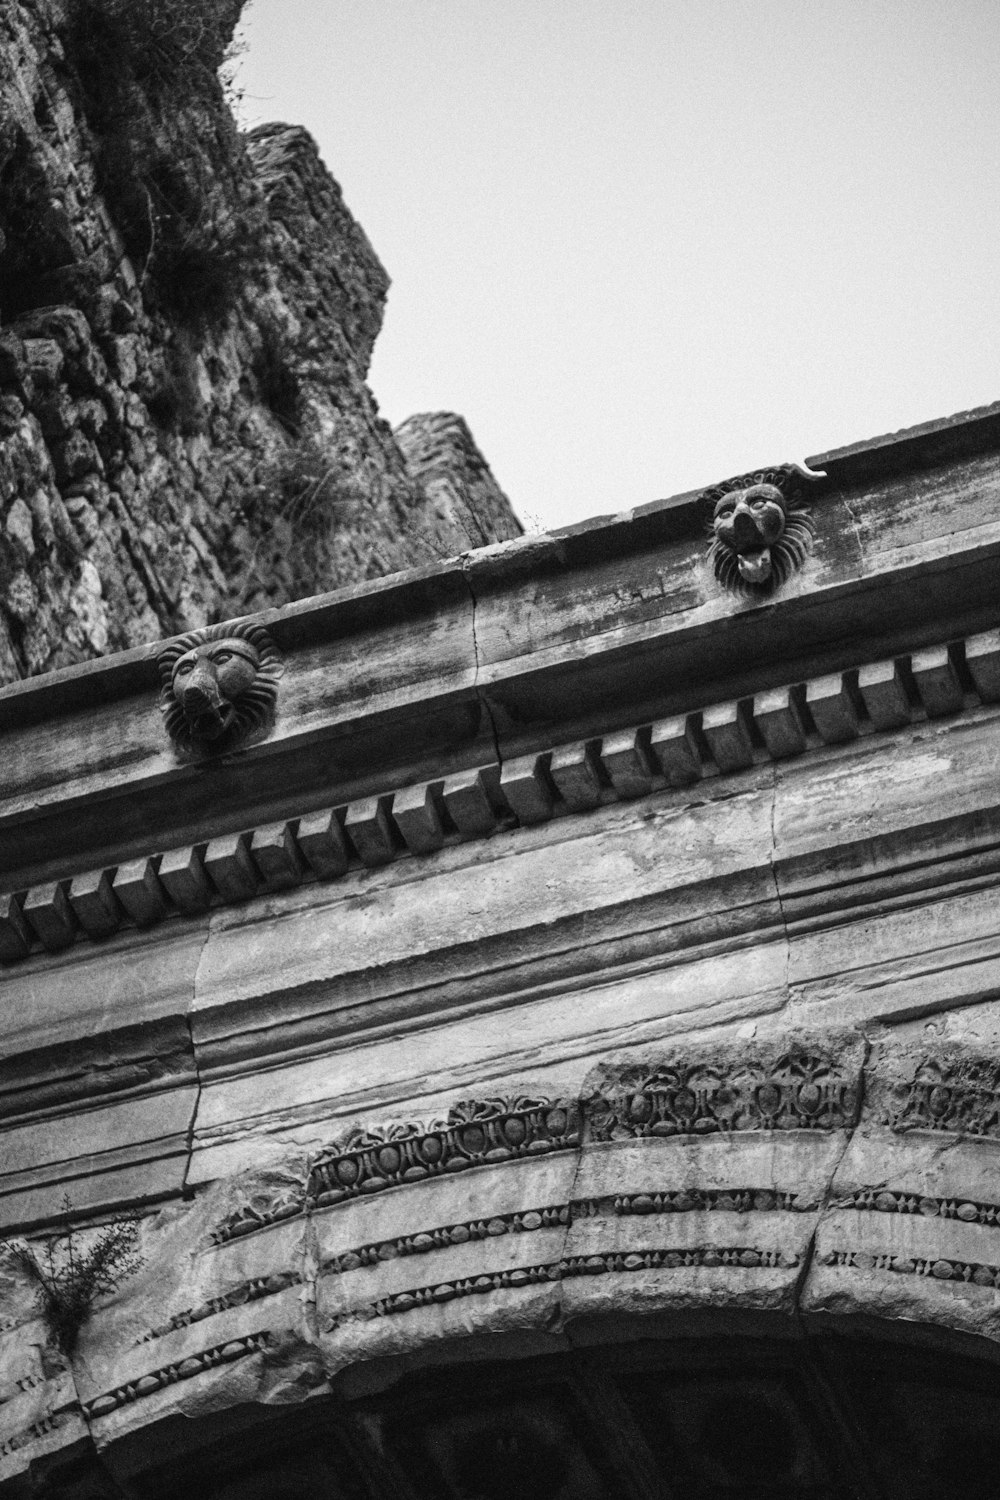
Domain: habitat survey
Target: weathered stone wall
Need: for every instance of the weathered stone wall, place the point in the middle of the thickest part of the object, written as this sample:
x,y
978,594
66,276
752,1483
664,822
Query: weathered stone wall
x,y
588,956
441,454
186,321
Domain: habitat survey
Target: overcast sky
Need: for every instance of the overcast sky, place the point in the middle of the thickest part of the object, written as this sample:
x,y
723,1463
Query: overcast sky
x,y
643,245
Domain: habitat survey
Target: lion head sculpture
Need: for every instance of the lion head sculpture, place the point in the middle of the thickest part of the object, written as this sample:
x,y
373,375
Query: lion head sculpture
x,y
219,688
761,530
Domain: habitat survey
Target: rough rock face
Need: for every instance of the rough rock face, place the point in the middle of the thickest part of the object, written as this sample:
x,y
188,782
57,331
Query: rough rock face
x,y
441,454
186,322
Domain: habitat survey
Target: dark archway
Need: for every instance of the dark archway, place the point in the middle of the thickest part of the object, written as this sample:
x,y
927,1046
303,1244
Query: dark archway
x,y
817,1417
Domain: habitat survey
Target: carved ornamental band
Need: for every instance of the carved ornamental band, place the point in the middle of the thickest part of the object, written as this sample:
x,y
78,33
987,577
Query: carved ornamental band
x,y
799,1091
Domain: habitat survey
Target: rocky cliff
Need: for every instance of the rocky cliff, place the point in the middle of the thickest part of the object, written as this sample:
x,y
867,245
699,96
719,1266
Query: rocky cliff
x,y
187,315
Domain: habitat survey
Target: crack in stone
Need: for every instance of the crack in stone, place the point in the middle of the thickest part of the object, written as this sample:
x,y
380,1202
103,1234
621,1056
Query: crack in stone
x,y
856,529
826,1203
186,1191
484,701
775,777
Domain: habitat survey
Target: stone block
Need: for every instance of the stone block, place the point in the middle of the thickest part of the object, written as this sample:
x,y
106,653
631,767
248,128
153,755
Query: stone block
x,y
274,852
94,903
673,746
576,775
16,937
911,1266
619,1264
45,360
131,1150
105,1015
137,886
525,788
831,706
749,1172
779,718
49,913
415,813
224,1270
982,655
230,868
475,1251
367,825
320,837
726,727
937,681
547,1039
182,874
626,759
468,800
884,694
40,1418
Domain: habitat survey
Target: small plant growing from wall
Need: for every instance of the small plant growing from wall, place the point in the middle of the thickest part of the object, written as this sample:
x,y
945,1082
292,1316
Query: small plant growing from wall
x,y
145,72
68,1281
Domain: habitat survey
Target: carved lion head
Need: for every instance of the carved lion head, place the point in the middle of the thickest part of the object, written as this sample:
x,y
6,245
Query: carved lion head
x,y
219,688
761,530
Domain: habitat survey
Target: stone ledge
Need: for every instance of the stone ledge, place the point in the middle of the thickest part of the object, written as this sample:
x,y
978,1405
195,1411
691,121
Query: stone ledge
x,y
722,739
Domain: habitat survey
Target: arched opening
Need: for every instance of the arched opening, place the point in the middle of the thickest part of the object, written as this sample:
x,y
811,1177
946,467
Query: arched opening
x,y
814,1415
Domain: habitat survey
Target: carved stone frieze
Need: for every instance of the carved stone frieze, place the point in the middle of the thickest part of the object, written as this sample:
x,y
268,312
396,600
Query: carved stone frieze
x,y
445,1236
686,1200
259,1212
954,1093
721,1200
880,1200
973,1272
805,1090
238,1296
37,1430
449,1291
810,1087
761,530
183,1369
219,688
9,1390
743,1257
472,1135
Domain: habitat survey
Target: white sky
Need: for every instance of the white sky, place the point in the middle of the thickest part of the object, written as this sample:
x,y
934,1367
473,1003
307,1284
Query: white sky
x,y
644,244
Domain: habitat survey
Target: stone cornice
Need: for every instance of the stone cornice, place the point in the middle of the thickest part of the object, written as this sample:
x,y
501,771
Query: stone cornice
x,y
508,652
722,739
923,446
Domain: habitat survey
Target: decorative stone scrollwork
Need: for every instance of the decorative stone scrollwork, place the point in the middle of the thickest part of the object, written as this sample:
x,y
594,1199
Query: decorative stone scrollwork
x,y
961,1096
761,530
219,688
476,1133
801,1091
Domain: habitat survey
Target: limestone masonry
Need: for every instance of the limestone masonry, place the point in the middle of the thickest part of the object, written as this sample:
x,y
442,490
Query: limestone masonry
x,y
526,1027
537,1013
186,321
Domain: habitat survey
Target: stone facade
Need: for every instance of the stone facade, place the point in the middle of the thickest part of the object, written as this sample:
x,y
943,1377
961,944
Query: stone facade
x,y
557,1052
186,322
